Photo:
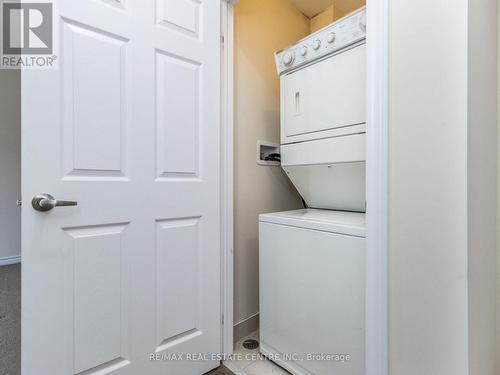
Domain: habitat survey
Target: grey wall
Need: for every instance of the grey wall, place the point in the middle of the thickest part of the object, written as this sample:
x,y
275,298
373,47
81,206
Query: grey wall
x,y
10,320
482,183
10,163
10,221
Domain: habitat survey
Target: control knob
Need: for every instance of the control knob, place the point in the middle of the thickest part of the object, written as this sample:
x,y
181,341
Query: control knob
x,y
303,50
331,37
362,22
288,58
317,44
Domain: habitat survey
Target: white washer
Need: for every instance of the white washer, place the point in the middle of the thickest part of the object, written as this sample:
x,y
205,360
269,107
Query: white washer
x,y
312,290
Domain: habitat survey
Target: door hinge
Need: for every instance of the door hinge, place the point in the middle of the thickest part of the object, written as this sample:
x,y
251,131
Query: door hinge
x,y
222,319
222,39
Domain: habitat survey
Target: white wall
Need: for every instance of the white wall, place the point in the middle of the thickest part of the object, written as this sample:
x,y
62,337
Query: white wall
x,y
10,163
442,142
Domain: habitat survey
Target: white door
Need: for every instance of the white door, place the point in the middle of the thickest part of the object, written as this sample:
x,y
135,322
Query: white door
x,y
128,127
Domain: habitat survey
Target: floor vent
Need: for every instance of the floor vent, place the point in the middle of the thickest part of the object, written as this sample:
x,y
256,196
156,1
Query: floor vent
x,y
250,344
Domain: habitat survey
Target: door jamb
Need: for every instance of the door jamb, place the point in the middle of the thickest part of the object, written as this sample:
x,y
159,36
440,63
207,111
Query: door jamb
x,y
377,188
227,180
377,338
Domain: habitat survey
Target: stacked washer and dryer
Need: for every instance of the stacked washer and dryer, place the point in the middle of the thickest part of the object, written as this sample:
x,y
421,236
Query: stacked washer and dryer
x,y
312,261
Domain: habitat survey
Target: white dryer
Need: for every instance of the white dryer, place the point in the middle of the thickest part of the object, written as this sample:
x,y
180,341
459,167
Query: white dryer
x,y
312,291
323,114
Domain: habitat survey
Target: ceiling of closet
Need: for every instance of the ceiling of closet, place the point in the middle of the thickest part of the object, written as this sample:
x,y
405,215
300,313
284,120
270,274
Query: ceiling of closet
x,y
312,7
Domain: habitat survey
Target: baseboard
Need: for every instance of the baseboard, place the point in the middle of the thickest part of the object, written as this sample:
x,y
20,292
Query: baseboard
x,y
245,327
10,260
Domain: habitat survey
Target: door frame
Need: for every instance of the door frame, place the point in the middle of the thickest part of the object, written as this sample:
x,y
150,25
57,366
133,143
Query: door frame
x,y
377,189
377,338
227,177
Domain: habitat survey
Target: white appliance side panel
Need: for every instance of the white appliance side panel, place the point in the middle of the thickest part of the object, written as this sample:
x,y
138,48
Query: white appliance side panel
x,y
326,95
332,187
312,297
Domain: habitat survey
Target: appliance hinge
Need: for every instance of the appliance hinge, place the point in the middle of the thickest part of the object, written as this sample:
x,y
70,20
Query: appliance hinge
x,y
222,319
222,39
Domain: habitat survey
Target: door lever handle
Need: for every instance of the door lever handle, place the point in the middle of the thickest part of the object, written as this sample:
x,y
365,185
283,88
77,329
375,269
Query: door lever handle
x,y
46,202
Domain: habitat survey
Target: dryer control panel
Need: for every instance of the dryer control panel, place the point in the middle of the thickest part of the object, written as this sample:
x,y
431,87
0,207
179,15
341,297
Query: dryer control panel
x,y
340,34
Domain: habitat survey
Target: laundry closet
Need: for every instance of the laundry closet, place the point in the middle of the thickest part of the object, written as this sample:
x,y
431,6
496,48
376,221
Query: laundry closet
x,y
306,262
187,189
295,154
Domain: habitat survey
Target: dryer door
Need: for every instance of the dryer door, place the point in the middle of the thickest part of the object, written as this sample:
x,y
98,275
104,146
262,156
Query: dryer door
x,y
322,99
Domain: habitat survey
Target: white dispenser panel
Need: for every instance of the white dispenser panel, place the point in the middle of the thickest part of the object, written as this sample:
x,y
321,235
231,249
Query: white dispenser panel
x,y
329,173
332,187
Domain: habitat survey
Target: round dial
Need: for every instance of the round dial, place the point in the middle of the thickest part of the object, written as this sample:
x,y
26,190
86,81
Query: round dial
x,y
317,44
303,50
288,58
331,37
362,22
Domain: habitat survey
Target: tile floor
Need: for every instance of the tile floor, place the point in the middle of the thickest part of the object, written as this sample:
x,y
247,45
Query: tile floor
x,y
251,362
222,370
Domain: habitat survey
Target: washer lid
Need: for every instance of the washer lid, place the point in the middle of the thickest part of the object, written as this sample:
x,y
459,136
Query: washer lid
x,y
342,222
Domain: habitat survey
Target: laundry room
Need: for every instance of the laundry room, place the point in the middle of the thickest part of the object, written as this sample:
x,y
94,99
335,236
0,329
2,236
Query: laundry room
x,y
299,147
277,47
249,187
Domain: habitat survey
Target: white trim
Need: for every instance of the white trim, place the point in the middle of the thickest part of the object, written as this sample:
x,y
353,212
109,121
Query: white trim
x,y
227,184
244,320
377,338
10,260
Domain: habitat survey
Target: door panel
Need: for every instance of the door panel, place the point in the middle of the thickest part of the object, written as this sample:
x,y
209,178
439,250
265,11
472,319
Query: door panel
x,y
97,276
311,105
182,16
178,122
178,283
95,119
128,126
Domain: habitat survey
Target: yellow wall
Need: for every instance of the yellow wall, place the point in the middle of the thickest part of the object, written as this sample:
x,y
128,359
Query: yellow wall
x,y
337,10
497,357
261,28
326,17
